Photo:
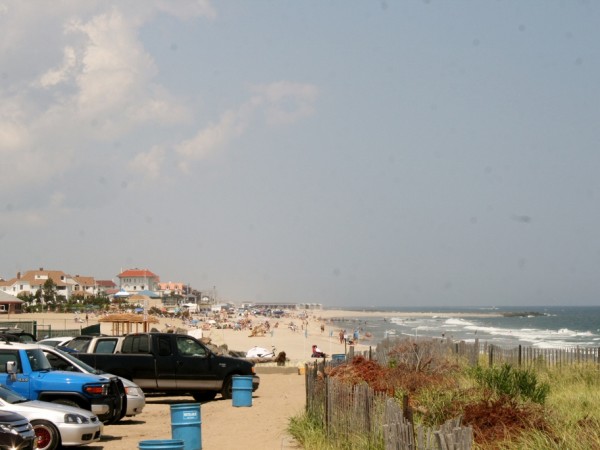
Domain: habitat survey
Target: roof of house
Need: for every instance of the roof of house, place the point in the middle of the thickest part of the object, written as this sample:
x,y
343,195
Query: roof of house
x,y
7,298
137,273
84,281
57,276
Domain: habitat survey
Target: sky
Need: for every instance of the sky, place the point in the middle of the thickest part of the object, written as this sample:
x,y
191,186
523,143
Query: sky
x,y
349,153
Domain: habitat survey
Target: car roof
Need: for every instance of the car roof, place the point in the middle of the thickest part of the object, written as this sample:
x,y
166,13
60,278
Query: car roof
x,y
18,345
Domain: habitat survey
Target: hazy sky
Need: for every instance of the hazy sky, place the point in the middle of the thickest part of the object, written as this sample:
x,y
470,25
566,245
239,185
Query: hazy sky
x,y
405,153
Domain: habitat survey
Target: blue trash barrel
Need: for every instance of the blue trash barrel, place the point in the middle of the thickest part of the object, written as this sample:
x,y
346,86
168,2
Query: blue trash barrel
x,y
242,390
338,357
161,444
186,425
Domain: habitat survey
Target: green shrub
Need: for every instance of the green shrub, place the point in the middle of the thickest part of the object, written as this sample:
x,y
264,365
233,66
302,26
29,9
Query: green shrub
x,y
514,383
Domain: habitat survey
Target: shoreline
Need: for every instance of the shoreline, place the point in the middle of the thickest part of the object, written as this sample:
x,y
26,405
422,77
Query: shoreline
x,y
310,327
348,314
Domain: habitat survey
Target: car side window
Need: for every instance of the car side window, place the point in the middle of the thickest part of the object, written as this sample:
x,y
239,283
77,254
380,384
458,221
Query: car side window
x,y
106,346
190,347
58,363
6,356
164,346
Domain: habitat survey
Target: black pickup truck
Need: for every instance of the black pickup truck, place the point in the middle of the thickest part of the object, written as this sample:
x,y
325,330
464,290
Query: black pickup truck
x,y
172,364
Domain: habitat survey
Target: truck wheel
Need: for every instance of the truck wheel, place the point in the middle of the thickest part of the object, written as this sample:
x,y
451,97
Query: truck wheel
x,y
46,434
204,396
227,389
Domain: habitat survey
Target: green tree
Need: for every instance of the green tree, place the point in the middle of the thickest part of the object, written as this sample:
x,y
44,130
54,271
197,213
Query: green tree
x,y
49,292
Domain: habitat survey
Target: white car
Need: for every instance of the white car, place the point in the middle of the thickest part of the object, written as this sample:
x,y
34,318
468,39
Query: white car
x,y
55,341
54,425
59,360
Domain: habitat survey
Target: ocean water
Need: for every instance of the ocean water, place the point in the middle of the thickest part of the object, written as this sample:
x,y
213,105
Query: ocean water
x,y
544,327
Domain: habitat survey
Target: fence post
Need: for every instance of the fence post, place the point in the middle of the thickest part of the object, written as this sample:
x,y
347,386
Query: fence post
x,y
407,412
306,388
326,379
520,355
491,356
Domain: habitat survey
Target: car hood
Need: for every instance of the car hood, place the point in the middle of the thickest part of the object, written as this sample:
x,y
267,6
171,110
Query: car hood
x,y
37,409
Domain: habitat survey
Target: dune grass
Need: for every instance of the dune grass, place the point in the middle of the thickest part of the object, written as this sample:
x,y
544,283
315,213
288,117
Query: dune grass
x,y
541,409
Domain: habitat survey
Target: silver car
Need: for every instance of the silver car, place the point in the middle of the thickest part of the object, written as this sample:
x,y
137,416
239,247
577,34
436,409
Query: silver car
x,y
54,425
59,360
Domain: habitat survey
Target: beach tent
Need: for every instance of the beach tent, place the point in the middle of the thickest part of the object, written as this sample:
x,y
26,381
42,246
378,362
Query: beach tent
x,y
122,294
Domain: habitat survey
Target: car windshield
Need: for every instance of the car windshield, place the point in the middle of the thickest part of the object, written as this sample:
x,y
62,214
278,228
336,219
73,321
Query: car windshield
x,y
10,396
38,360
77,362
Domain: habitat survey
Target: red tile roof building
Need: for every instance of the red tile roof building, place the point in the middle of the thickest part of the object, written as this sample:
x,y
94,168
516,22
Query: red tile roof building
x,y
136,280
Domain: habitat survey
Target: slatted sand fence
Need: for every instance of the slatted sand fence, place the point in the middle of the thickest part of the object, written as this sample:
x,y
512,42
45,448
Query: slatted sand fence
x,y
351,413
354,413
399,433
414,350
365,419
523,356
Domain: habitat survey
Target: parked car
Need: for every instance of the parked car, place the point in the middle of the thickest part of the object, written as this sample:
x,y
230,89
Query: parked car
x,y
175,364
55,341
16,335
60,360
25,368
93,344
53,424
16,432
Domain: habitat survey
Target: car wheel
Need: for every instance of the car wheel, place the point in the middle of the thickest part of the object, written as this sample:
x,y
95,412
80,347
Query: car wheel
x,y
204,396
227,389
46,434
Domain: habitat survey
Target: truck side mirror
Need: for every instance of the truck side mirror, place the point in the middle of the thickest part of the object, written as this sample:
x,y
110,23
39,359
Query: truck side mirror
x,y
11,369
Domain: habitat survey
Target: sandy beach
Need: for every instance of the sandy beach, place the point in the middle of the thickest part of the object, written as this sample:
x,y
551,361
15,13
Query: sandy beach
x,y
295,341
280,396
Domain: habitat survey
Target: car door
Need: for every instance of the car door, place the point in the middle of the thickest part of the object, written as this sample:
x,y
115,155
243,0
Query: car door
x,y
166,365
21,384
194,365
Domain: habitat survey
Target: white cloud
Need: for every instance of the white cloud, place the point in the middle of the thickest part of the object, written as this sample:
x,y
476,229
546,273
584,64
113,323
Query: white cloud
x,y
281,103
92,84
55,76
231,125
149,163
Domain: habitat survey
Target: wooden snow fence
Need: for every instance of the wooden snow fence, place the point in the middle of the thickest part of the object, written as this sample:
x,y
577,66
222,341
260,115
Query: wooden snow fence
x,y
399,433
367,419
483,353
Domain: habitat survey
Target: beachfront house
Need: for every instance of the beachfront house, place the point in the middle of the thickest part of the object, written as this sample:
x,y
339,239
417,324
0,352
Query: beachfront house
x,y
65,285
134,281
